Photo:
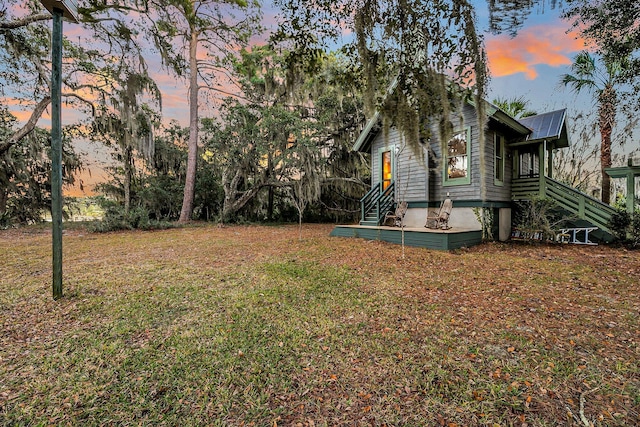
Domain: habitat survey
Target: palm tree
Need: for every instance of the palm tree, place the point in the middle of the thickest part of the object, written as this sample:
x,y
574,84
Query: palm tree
x,y
601,82
515,107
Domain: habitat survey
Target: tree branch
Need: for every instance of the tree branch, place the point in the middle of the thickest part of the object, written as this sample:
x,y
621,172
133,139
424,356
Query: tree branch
x,y
85,100
28,127
224,92
22,22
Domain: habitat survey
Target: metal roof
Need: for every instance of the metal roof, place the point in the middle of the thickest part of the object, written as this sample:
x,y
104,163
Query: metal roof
x,y
547,126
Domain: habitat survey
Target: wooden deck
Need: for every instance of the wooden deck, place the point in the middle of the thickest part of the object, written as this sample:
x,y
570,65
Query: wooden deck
x,y
452,238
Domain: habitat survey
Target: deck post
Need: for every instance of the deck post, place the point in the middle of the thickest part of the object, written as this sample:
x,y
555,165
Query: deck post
x,y
631,190
628,172
541,169
550,162
56,152
67,9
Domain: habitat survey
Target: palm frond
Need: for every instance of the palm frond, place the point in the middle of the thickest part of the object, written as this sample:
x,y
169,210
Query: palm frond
x,y
577,83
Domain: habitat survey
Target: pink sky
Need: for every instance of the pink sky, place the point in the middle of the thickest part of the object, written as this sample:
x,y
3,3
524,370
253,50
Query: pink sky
x,y
528,65
533,46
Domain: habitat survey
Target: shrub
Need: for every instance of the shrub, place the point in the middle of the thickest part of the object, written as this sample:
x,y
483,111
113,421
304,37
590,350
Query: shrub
x,y
539,215
635,230
486,218
620,223
115,218
626,227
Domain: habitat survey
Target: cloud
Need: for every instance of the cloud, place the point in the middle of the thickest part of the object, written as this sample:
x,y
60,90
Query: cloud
x,y
538,45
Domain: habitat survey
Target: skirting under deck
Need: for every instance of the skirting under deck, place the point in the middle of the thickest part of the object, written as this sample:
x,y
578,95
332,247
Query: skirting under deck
x,y
419,237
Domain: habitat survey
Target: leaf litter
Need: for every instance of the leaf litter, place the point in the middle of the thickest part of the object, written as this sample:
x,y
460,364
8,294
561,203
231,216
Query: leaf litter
x,y
252,325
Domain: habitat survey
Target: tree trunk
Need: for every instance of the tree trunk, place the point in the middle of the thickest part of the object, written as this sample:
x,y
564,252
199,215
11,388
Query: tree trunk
x,y
271,192
606,119
234,200
192,157
605,162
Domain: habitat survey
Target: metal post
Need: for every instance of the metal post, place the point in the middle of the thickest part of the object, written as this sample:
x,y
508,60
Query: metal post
x,y
56,150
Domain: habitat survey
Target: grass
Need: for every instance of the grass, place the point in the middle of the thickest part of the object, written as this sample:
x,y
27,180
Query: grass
x,y
253,326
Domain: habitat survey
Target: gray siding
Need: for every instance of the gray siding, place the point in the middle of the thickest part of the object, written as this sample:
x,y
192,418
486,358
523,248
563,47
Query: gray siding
x,y
412,175
496,193
479,175
415,182
410,170
379,145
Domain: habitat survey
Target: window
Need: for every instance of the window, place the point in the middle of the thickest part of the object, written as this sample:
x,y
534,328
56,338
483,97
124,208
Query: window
x,y
387,170
457,159
499,159
528,164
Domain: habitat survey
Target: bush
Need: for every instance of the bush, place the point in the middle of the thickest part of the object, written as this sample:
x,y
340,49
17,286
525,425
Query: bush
x,y
635,230
620,223
539,215
626,227
115,218
486,218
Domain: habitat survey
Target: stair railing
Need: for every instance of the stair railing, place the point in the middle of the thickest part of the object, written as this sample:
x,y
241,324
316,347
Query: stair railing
x,y
583,205
567,197
377,201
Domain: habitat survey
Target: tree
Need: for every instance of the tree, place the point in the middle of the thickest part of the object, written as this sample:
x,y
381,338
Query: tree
x,y
289,131
612,26
200,35
510,15
577,166
25,186
128,124
516,107
413,43
602,81
259,147
25,48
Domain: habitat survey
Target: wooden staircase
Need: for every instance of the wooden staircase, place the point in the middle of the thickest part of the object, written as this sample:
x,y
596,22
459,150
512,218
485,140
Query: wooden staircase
x,y
376,203
585,208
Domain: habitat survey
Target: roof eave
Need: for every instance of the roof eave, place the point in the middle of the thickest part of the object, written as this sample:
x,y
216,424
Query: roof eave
x,y
367,134
509,121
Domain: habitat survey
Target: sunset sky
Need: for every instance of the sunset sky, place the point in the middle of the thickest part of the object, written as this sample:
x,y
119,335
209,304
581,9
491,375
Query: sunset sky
x,y
529,65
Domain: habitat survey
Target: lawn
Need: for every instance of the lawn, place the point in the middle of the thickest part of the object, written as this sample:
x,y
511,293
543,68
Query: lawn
x,y
252,325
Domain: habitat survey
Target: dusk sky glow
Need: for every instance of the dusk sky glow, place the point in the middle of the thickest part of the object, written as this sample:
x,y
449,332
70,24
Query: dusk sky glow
x,y
529,65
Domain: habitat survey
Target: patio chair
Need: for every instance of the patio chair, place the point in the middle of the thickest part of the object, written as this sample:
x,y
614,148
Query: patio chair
x,y
440,218
398,215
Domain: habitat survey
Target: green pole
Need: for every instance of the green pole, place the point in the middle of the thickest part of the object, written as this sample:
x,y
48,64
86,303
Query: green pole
x,y
56,151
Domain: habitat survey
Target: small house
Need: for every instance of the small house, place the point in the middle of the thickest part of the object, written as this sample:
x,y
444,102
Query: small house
x,y
516,165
